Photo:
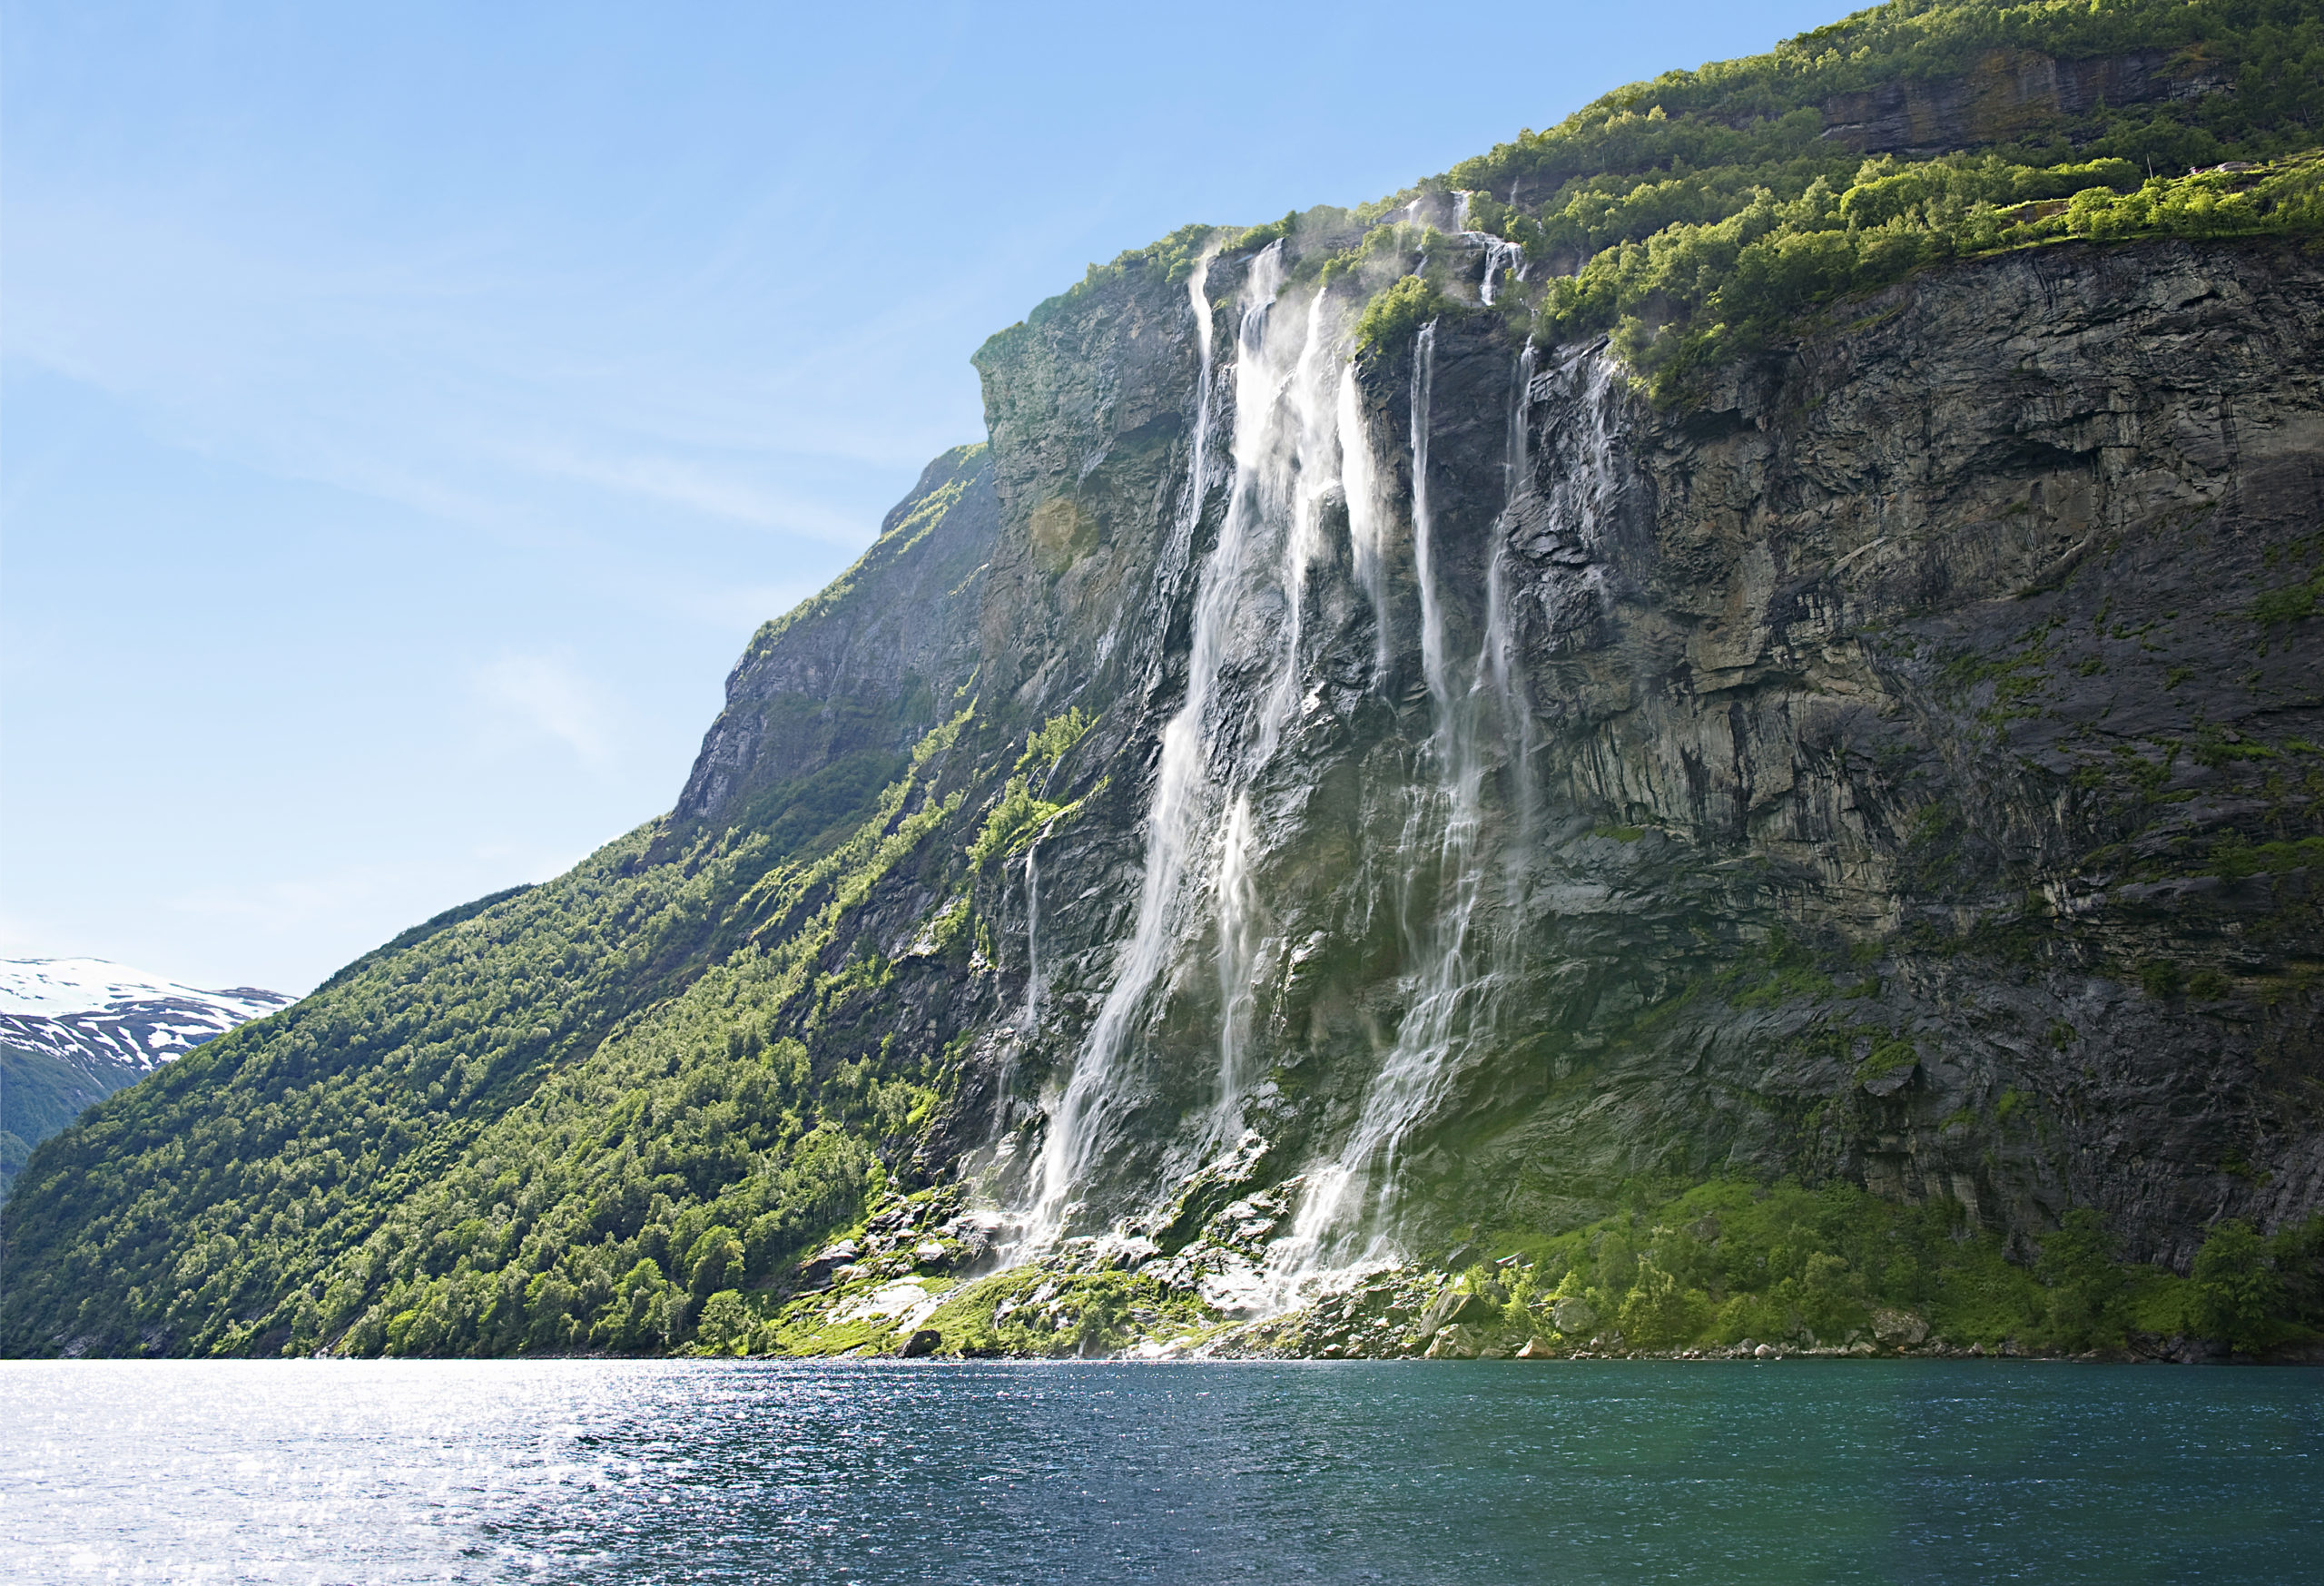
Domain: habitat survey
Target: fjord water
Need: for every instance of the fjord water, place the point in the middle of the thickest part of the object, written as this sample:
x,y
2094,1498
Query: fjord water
x,y
874,1472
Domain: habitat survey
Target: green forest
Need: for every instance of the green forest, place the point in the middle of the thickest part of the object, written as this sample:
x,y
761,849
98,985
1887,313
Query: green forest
x,y
1691,217
1730,1261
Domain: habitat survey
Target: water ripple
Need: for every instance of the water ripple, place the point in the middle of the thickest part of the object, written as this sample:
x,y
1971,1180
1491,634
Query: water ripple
x,y
655,1471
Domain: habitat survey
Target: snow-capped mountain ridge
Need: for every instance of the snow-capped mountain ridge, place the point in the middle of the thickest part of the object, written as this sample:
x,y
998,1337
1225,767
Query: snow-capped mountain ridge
x,y
74,1030
78,1008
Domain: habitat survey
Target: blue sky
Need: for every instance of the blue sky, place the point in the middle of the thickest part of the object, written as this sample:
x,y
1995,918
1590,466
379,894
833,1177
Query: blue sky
x,y
408,411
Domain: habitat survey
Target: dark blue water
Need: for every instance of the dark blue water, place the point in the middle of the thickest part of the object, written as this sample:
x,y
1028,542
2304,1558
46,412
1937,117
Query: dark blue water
x,y
1498,1471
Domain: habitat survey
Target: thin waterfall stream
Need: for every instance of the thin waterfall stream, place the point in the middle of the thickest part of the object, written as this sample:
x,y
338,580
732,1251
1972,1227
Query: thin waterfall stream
x,y
1033,933
1067,1138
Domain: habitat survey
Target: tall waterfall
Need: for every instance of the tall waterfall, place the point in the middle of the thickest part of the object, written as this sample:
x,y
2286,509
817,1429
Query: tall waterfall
x,y
1287,467
1457,955
1199,827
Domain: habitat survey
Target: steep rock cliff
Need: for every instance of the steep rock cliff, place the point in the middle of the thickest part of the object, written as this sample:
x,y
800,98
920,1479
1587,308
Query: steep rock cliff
x,y
864,669
1907,785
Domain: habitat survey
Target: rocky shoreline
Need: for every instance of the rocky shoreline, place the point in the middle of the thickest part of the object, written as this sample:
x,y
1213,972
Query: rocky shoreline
x,y
918,1280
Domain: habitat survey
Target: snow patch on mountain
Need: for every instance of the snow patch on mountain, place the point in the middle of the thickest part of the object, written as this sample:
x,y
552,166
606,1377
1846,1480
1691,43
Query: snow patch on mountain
x,y
81,1009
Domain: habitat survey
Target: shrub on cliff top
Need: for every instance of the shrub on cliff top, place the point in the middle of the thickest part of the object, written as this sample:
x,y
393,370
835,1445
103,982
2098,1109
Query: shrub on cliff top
x,y
1689,217
1396,314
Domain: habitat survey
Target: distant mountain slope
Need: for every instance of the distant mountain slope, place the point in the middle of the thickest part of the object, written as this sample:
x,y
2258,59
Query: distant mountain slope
x,y
74,1030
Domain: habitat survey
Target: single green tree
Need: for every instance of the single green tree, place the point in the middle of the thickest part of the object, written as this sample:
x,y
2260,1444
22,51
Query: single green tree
x,y
2079,1264
2237,1291
724,1323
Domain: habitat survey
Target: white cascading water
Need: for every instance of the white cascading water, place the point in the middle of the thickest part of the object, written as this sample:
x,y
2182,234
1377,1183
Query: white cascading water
x,y
1298,439
1502,258
1033,934
1457,963
1200,824
1287,465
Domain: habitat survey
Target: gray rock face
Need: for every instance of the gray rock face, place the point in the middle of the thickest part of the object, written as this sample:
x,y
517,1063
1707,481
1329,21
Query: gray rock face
x,y
1458,1306
1895,1327
1573,1317
868,666
2009,94
1898,766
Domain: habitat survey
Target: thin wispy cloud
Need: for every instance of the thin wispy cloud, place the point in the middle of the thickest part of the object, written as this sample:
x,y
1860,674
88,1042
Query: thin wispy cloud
x,y
696,487
548,695
451,374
